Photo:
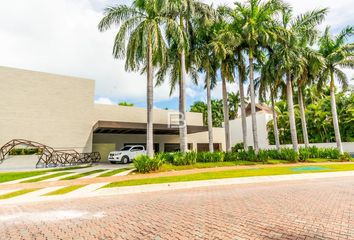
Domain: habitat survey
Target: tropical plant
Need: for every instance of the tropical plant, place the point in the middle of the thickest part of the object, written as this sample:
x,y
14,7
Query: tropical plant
x,y
126,104
338,54
141,42
259,29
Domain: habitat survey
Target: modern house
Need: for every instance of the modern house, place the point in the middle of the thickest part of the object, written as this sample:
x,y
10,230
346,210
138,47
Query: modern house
x,y
59,111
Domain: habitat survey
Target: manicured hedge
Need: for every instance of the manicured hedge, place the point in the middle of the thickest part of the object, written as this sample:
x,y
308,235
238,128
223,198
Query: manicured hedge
x,y
145,164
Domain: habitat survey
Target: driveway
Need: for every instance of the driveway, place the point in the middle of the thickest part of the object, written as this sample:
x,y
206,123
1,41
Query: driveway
x,y
311,209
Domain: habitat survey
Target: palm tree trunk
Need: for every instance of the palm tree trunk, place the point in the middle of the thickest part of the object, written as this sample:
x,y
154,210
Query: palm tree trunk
x,y
226,114
335,116
210,116
149,96
289,93
182,105
303,118
243,111
275,124
253,103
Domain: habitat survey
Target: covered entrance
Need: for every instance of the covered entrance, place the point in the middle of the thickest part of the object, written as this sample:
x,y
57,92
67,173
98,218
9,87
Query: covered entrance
x,y
112,135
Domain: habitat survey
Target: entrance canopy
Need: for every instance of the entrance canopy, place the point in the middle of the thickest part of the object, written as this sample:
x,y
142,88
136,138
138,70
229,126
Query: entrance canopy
x,y
116,127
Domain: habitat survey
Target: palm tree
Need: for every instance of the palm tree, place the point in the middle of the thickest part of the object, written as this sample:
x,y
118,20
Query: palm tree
x,y
270,82
257,21
184,12
145,47
234,103
338,54
232,18
312,68
290,54
222,44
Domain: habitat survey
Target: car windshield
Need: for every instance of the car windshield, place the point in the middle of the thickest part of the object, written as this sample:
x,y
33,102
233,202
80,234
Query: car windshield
x,y
126,148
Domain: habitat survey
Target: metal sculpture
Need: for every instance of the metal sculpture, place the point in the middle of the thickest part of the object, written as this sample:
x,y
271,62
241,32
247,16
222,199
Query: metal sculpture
x,y
50,157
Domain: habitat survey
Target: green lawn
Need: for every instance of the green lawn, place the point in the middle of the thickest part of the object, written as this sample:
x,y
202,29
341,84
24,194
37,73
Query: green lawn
x,y
236,174
12,176
64,190
17,193
46,177
113,172
80,175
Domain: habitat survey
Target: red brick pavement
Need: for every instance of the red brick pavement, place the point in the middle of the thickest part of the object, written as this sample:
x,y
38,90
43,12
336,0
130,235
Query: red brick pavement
x,y
315,209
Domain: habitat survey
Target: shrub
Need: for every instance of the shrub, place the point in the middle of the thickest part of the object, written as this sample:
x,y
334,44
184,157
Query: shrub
x,y
345,157
166,156
249,155
210,157
144,164
188,158
25,151
288,154
238,147
230,156
304,154
263,155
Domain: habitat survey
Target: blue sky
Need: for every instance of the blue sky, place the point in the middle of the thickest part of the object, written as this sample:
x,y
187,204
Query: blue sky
x,y
60,36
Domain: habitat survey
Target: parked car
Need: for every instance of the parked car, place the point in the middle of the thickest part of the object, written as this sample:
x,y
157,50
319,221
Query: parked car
x,y
126,154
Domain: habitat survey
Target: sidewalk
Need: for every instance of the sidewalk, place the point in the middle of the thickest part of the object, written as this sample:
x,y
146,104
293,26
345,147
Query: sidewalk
x,y
85,181
94,190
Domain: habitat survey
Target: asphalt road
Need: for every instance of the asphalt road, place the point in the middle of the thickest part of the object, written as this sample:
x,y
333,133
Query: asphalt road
x,y
311,209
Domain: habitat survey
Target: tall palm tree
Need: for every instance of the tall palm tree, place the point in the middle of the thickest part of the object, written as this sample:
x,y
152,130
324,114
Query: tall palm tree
x,y
184,12
223,43
141,42
290,53
312,68
232,18
338,54
257,19
270,82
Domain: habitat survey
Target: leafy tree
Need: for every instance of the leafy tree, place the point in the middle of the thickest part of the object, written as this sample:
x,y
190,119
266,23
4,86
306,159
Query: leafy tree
x,y
338,54
126,104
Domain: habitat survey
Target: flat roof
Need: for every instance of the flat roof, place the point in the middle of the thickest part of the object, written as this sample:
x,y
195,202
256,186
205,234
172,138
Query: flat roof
x,y
116,127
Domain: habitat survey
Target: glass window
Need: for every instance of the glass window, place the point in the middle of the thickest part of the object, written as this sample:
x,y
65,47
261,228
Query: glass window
x,y
127,148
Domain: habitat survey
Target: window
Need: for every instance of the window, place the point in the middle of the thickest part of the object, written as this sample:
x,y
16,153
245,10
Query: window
x,y
136,149
126,148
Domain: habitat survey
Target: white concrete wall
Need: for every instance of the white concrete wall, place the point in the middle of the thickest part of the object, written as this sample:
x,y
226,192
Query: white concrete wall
x,y
262,120
52,109
136,114
236,130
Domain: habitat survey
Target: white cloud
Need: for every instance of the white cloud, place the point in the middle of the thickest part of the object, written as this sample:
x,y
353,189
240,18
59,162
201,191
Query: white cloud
x,y
104,100
61,37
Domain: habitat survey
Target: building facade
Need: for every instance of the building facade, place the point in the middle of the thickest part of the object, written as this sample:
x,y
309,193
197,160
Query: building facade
x,y
59,111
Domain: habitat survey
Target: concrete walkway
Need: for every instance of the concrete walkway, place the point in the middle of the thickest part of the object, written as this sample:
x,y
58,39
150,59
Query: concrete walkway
x,y
117,178
96,189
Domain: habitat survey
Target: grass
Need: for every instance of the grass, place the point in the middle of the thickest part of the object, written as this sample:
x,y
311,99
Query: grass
x,y
113,172
231,174
12,176
64,190
17,193
80,175
46,177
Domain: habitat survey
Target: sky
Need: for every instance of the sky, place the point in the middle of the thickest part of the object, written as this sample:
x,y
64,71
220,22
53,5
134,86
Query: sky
x,y
61,36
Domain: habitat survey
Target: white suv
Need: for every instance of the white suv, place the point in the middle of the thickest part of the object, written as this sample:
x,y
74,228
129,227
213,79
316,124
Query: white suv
x,y
126,154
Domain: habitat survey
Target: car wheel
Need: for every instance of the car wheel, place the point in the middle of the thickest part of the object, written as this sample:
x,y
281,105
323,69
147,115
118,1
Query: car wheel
x,y
125,159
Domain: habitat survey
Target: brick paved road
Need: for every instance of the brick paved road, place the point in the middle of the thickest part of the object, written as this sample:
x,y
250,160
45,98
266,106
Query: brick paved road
x,y
316,209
